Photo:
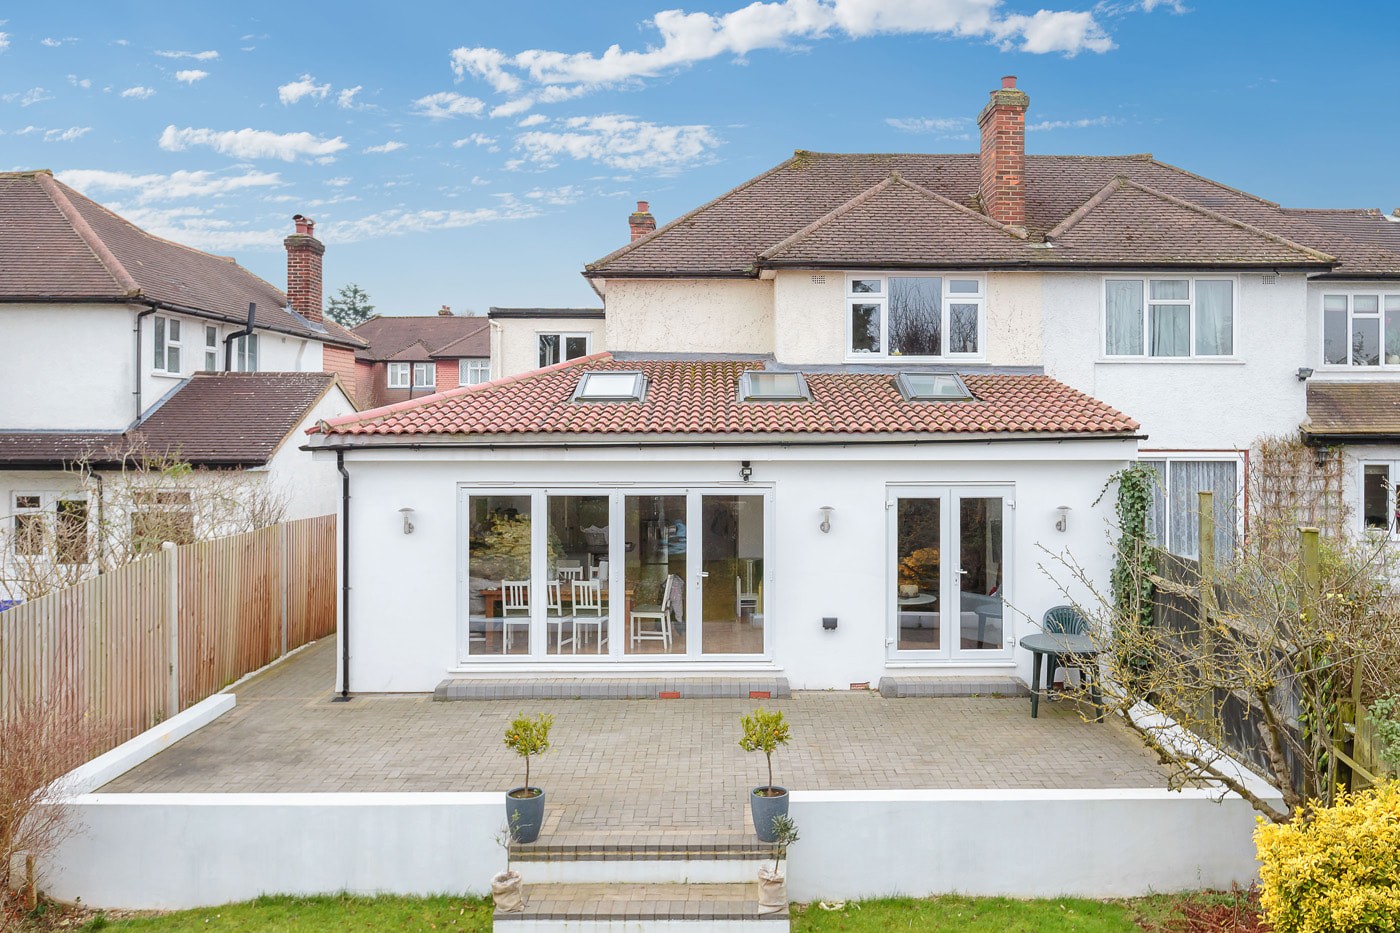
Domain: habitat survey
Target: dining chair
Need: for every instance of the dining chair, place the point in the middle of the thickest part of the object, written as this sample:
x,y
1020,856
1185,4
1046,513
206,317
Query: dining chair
x,y
659,615
588,613
555,621
515,608
569,569
743,599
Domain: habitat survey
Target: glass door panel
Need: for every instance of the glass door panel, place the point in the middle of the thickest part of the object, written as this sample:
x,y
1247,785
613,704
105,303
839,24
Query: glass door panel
x,y
499,558
654,571
980,573
576,576
918,576
731,577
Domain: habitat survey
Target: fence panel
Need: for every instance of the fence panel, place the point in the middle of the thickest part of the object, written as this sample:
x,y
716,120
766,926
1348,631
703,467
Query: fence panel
x,y
311,580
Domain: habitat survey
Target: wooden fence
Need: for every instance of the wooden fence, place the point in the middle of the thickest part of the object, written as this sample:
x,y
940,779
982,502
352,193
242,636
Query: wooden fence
x,y
135,646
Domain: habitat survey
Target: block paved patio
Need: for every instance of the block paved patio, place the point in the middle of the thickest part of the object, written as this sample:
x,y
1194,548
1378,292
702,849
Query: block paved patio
x,y
639,766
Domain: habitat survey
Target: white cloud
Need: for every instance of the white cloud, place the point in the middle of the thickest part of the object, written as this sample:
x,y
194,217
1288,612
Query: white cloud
x,y
620,142
249,143
346,97
511,107
392,145
1079,124
539,75
534,119
399,221
200,228
446,104
55,136
942,125
567,194
305,86
139,92
191,76
477,139
207,56
4,41
51,43
80,82
173,187
337,182
35,95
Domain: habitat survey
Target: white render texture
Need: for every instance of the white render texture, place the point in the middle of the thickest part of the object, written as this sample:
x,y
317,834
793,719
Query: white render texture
x,y
809,317
309,485
515,342
67,367
690,315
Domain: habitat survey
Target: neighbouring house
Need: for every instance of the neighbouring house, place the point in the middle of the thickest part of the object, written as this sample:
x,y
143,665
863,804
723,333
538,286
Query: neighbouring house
x,y
523,339
413,356
117,345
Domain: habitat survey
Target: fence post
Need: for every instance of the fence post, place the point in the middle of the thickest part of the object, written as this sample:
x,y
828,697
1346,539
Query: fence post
x,y
286,560
170,556
1205,592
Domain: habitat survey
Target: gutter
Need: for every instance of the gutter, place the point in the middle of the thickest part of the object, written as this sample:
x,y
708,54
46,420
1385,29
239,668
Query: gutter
x,y
344,578
1333,440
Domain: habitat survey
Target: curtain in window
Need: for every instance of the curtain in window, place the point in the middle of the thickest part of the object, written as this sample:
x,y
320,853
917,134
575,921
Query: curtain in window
x,y
1123,318
1170,330
1157,515
1189,477
1215,318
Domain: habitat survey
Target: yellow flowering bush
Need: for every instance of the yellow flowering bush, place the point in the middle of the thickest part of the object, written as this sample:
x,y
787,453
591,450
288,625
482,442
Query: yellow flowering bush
x,y
1338,872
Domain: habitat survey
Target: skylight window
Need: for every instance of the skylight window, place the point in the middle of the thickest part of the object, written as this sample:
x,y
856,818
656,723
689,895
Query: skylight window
x,y
761,386
610,387
932,387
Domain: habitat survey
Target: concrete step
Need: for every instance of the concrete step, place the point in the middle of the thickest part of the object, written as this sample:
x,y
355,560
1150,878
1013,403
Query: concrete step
x,y
598,688
899,686
710,858
641,908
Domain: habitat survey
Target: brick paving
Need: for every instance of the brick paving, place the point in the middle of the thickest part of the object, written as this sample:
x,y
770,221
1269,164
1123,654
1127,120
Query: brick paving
x,y
622,767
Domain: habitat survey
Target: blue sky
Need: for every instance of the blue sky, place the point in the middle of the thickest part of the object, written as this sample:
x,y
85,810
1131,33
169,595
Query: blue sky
x,y
477,154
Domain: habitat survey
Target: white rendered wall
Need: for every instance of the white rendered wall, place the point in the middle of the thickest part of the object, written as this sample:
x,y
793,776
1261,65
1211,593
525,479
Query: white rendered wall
x,y
66,367
1013,318
690,315
515,342
311,486
1190,405
403,637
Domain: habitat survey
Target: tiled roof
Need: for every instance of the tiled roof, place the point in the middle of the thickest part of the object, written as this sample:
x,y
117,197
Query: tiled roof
x,y
729,235
57,244
424,337
1353,409
215,419
701,397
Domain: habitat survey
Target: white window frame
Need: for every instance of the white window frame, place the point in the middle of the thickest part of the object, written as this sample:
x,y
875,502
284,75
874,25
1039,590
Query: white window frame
x,y
47,512
399,375
1190,303
473,371
1392,468
211,348
563,336
245,353
430,380
40,510
1351,294
162,343
947,298
1199,456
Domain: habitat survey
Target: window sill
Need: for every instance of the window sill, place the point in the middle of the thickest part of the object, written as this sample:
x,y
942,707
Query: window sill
x,y
916,360
1171,360
1332,369
162,374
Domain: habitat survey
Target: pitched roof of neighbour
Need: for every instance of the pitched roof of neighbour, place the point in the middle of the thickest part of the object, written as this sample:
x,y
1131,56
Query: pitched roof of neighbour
x,y
731,235
1354,410
57,244
213,420
423,337
700,396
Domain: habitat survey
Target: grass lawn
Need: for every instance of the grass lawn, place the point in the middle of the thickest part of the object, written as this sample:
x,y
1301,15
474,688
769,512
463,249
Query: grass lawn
x,y
317,914
970,915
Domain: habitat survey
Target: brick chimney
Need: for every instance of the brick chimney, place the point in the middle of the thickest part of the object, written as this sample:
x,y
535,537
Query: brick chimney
x,y
304,254
641,221
445,311
1003,124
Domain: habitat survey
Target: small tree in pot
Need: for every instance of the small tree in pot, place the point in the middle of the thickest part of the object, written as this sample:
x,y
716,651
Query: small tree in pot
x,y
527,737
772,883
764,732
507,887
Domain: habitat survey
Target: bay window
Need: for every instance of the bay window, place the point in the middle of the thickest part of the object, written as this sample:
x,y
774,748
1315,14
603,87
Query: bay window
x,y
914,315
1361,329
1169,318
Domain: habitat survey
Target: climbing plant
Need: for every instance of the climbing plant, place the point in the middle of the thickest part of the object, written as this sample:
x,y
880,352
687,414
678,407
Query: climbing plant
x,y
1134,564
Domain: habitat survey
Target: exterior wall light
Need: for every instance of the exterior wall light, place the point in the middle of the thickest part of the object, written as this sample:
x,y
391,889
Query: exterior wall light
x,y
407,514
825,526
1304,373
745,470
1062,523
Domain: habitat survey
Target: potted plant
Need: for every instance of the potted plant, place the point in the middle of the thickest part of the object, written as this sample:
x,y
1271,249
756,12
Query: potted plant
x,y
764,732
527,737
772,882
507,887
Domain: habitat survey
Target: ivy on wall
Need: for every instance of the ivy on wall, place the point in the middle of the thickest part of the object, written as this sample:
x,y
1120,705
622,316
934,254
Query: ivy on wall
x,y
1135,560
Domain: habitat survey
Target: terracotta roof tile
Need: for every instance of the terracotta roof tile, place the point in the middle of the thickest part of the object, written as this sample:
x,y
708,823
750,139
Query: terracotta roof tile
x,y
701,397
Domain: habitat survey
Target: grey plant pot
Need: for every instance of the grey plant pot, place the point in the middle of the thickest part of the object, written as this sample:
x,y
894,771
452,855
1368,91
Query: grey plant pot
x,y
525,815
764,809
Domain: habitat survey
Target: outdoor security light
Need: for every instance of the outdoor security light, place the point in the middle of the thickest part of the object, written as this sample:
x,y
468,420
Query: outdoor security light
x,y
745,470
1304,373
825,526
1062,523
407,514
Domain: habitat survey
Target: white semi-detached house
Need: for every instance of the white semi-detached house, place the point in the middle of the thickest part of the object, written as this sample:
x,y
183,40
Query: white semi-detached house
x,y
117,344
839,415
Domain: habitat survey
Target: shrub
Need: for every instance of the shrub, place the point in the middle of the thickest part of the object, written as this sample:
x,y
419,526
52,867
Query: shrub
x,y
1338,870
529,737
764,732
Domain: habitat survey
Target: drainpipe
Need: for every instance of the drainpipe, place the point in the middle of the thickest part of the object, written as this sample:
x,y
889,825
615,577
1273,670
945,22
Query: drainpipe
x,y
246,331
101,521
344,579
136,386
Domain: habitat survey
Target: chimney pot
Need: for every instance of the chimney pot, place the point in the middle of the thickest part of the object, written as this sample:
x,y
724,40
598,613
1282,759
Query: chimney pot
x,y
444,311
1008,81
643,207
304,254
641,222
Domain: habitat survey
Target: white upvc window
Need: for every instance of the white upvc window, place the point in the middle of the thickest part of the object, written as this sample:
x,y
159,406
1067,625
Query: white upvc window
x,y
399,374
1378,504
1174,520
211,348
918,316
166,358
557,347
473,372
1361,328
1169,317
50,524
28,524
245,354
424,375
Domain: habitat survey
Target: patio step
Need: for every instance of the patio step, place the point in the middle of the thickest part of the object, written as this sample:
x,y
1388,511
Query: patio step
x,y
641,908
713,858
595,688
900,686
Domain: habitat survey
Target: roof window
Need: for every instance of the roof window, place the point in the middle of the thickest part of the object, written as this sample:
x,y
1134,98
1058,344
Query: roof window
x,y
610,386
757,385
932,387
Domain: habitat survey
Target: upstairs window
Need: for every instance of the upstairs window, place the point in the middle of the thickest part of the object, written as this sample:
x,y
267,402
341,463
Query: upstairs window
x,y
167,346
1361,329
398,375
760,386
473,372
211,348
245,354
1169,318
914,316
423,375
557,348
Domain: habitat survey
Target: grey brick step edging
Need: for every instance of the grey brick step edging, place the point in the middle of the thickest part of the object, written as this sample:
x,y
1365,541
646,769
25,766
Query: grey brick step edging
x,y
901,686
643,688
743,847
638,902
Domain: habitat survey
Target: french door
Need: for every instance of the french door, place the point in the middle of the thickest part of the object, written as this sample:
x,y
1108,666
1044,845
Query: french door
x,y
946,579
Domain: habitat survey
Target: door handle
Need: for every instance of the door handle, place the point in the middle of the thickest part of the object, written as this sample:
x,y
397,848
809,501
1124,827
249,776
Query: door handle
x,y
963,572
704,574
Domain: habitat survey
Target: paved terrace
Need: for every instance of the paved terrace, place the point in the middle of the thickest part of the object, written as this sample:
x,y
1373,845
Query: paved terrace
x,y
636,766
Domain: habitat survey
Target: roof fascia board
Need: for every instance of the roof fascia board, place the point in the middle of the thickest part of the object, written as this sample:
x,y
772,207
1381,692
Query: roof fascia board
x,y
420,442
